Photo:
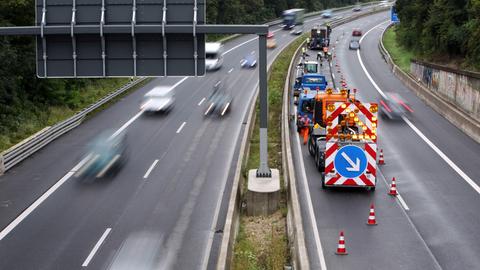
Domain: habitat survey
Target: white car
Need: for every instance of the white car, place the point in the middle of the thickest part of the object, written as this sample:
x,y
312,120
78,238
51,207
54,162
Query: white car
x,y
159,99
213,55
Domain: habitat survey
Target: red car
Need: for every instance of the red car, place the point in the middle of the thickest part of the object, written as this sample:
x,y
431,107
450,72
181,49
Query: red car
x,y
357,32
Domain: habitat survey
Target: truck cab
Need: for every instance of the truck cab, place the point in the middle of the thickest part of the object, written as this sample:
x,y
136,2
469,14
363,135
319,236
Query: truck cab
x,y
306,102
310,67
213,55
314,81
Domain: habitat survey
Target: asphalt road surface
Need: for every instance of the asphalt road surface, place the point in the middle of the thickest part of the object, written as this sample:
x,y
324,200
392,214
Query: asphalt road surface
x,y
434,223
168,198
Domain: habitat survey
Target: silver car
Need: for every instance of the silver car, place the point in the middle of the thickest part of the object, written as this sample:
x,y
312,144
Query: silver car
x,y
354,45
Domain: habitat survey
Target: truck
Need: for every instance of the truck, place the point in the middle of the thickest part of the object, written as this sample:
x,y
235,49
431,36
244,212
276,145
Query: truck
x,y
311,85
293,17
320,37
344,131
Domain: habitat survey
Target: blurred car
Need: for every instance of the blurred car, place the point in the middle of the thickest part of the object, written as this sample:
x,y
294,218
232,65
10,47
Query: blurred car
x,y
213,55
297,29
354,45
159,99
249,61
220,101
106,155
271,42
327,14
356,32
393,106
357,8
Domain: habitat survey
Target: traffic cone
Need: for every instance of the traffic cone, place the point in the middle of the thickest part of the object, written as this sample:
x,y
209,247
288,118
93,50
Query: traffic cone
x,y
393,188
381,161
371,217
341,250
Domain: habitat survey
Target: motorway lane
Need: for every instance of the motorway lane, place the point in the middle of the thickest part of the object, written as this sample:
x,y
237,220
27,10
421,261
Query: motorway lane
x,y
442,205
395,242
178,200
444,208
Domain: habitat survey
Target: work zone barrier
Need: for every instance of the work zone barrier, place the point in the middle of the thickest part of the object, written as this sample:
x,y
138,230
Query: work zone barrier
x,y
23,150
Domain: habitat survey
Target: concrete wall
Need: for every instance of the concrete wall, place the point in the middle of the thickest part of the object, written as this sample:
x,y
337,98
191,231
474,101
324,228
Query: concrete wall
x,y
457,87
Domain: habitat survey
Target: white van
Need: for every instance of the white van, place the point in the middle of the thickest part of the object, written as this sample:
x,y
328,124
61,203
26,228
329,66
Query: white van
x,y
159,99
213,55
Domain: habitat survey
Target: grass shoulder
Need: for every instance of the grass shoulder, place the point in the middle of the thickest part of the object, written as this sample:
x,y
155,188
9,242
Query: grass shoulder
x,y
400,55
262,241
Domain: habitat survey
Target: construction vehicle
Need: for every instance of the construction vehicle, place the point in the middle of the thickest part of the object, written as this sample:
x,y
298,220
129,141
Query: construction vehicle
x,y
342,122
312,84
320,37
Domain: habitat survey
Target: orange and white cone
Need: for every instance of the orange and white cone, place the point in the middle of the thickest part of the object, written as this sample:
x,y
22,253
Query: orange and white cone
x,y
381,161
393,188
341,250
371,217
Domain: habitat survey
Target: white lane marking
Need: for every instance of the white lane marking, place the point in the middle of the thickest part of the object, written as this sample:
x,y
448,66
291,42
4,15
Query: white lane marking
x,y
128,123
150,169
404,204
230,71
40,200
181,127
96,247
313,220
439,152
443,156
333,75
239,45
201,101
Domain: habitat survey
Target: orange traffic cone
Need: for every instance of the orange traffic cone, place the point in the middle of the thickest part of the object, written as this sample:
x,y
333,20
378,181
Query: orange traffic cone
x,y
393,188
371,217
381,161
341,250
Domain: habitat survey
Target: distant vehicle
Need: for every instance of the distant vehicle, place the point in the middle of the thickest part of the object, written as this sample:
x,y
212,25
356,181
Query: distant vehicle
x,y
297,30
249,61
393,106
383,3
314,81
159,99
357,8
356,32
310,67
327,14
219,101
213,55
106,155
292,18
271,42
320,37
354,45
297,85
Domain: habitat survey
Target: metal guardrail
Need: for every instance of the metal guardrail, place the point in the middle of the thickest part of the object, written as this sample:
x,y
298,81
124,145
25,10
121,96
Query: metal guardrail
x,y
23,150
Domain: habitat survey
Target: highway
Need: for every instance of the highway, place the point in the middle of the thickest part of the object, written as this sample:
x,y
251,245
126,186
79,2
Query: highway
x,y
434,223
169,197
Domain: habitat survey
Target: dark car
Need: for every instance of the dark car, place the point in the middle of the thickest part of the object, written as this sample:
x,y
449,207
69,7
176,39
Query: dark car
x,y
354,45
357,8
220,100
106,155
393,106
327,14
357,32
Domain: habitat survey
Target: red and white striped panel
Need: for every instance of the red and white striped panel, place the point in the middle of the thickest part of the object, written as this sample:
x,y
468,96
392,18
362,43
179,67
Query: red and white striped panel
x,y
368,178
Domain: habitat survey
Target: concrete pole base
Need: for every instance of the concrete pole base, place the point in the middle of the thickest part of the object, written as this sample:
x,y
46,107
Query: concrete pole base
x,y
263,195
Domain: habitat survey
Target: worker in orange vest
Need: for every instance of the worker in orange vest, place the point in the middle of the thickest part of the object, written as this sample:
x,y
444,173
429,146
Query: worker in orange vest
x,y
305,129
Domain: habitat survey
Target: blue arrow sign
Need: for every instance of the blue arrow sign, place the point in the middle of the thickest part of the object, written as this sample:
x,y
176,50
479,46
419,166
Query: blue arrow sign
x,y
350,161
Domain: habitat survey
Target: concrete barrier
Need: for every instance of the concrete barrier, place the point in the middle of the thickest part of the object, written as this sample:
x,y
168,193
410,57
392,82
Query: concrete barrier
x,y
468,123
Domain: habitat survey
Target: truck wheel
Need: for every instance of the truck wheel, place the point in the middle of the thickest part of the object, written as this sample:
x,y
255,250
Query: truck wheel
x,y
311,147
371,188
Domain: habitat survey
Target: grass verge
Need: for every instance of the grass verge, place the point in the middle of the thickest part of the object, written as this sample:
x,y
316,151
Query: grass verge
x,y
29,124
399,54
262,241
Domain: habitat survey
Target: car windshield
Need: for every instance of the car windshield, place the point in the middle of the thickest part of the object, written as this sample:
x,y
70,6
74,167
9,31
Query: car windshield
x,y
211,56
311,68
317,80
288,17
354,42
